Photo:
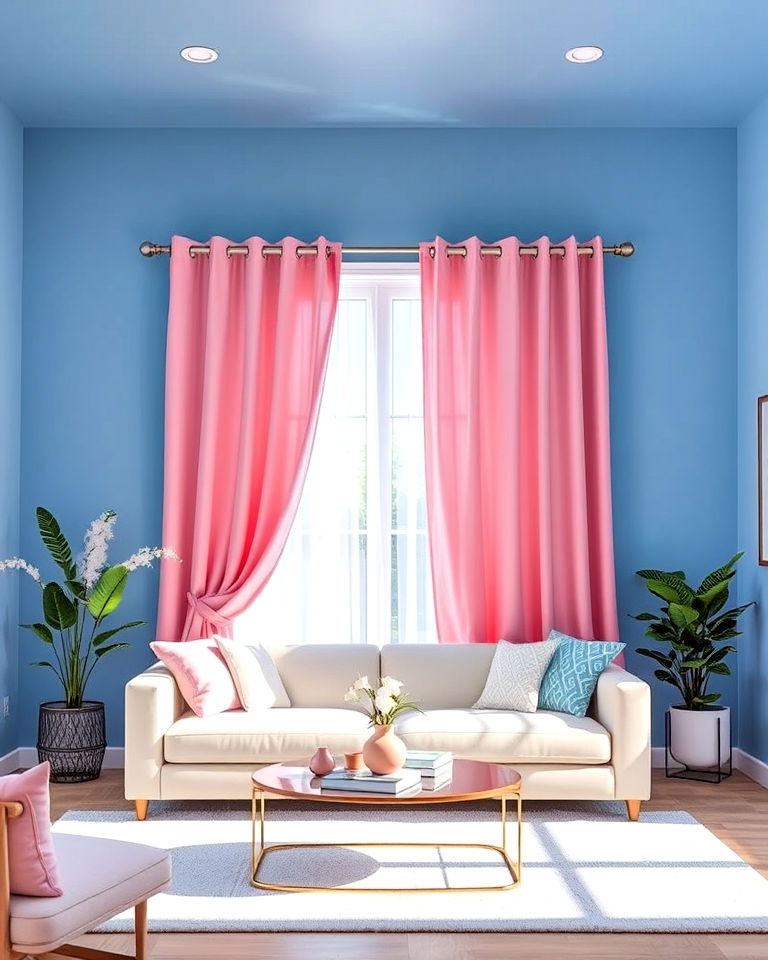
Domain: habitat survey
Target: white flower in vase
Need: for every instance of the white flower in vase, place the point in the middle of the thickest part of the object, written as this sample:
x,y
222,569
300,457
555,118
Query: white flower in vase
x,y
391,685
384,701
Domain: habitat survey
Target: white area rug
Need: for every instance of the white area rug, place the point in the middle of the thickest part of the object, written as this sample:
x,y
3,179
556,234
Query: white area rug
x,y
585,868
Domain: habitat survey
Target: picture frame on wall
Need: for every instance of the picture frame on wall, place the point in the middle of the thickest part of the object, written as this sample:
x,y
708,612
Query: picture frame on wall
x,y
762,480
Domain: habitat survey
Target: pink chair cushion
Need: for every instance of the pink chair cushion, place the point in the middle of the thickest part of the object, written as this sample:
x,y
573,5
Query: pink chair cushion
x,y
33,866
201,673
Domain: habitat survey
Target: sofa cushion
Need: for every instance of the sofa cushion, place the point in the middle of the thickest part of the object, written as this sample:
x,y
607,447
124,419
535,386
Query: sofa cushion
x,y
573,672
439,676
319,675
515,676
505,736
201,674
255,675
100,878
264,736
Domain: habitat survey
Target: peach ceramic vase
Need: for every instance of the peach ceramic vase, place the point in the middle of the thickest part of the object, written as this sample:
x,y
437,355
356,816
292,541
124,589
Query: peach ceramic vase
x,y
322,762
384,751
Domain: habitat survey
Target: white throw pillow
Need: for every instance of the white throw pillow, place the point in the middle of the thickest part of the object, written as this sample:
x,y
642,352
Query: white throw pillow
x,y
256,678
517,670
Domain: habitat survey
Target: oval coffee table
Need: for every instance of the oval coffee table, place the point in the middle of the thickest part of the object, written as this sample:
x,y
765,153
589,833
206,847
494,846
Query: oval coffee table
x,y
471,780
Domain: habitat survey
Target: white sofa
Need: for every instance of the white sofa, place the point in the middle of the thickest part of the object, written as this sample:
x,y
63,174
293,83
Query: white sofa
x,y
170,754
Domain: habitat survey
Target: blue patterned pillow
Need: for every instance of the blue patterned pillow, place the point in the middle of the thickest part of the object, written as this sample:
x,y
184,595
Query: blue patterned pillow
x,y
573,673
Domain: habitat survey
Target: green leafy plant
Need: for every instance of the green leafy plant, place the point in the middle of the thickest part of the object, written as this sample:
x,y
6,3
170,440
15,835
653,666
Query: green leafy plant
x,y
74,610
694,628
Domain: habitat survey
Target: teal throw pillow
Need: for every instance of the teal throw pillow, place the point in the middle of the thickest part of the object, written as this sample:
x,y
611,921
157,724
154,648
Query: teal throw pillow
x,y
573,673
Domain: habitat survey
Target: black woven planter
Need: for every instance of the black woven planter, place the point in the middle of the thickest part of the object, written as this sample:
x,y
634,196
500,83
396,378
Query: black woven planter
x,y
72,739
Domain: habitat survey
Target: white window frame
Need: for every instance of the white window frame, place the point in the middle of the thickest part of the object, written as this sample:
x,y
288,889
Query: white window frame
x,y
364,281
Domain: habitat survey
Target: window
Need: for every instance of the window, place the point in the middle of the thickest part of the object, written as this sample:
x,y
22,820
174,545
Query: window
x,y
355,568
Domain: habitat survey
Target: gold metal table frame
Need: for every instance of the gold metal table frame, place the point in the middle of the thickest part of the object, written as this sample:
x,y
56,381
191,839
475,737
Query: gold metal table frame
x,y
260,850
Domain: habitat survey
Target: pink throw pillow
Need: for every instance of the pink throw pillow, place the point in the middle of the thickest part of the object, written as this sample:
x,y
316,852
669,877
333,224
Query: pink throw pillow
x,y
33,866
201,673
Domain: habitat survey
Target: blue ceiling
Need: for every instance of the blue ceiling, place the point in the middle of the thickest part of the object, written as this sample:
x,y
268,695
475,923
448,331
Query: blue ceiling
x,y
449,63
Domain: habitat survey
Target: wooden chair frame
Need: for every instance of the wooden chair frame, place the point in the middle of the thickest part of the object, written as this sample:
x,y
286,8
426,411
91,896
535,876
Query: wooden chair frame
x,y
9,811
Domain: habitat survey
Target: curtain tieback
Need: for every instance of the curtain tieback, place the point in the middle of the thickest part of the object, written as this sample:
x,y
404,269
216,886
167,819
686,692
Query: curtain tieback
x,y
207,612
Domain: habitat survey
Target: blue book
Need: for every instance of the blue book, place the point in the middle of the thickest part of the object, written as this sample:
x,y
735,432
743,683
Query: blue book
x,y
367,782
428,761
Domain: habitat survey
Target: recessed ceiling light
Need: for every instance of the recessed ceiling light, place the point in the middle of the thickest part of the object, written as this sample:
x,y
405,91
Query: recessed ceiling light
x,y
584,54
199,54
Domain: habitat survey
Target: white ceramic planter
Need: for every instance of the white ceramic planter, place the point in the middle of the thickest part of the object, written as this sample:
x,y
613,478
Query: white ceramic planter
x,y
693,736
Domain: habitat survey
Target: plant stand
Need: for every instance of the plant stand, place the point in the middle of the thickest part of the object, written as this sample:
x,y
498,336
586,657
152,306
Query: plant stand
x,y
72,740
711,775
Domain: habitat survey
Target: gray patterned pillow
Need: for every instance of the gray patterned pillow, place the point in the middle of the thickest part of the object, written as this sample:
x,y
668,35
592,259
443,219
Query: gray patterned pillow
x,y
515,676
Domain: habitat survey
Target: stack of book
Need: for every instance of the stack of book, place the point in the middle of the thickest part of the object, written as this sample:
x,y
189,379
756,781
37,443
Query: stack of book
x,y
435,767
363,781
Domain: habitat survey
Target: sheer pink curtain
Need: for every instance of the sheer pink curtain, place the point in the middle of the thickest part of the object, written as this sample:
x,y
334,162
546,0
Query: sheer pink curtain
x,y
248,342
517,443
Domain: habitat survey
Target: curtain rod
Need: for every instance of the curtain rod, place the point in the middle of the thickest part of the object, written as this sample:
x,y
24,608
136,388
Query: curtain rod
x,y
625,249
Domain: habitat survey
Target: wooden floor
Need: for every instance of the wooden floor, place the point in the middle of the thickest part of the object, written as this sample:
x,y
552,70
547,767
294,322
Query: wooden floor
x,y
736,810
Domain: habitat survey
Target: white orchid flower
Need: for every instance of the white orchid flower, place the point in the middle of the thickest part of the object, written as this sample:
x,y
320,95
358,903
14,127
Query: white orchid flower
x,y
391,685
351,696
384,701
361,684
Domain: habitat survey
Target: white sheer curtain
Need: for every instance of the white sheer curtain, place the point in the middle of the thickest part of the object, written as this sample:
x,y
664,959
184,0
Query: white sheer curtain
x,y
355,568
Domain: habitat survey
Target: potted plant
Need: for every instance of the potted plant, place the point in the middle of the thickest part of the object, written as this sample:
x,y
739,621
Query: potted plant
x,y
694,629
71,731
383,751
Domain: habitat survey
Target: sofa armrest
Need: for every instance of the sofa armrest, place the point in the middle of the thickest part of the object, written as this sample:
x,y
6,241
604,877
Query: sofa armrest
x,y
623,707
152,703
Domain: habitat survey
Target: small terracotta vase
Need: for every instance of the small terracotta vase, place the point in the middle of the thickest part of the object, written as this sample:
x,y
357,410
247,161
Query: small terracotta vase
x,y
384,751
322,762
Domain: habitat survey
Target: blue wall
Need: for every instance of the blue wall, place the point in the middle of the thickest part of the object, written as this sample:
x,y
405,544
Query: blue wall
x,y
94,310
752,382
11,171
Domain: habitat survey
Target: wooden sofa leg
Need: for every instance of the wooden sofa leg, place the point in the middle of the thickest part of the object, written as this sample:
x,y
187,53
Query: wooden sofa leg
x,y
633,809
142,806
140,913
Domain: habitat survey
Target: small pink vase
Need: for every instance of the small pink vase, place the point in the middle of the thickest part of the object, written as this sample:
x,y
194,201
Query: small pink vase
x,y
322,762
384,751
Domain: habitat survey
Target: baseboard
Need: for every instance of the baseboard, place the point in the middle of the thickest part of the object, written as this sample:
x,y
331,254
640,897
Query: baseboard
x,y
742,761
756,769
9,762
114,757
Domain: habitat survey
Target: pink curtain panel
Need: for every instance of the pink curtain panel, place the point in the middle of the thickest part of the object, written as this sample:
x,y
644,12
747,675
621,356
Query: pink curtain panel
x,y
248,343
517,443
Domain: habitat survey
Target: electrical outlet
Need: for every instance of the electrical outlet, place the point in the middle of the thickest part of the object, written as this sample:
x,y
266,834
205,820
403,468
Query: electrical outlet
x,y
6,706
